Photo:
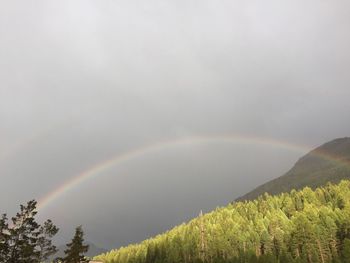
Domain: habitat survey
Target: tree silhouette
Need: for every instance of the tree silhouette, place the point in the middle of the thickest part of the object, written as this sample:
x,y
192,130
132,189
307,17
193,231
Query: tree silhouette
x,y
76,249
24,240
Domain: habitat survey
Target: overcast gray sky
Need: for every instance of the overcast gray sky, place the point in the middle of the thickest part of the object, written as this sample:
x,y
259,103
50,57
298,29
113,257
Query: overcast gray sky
x,y
81,81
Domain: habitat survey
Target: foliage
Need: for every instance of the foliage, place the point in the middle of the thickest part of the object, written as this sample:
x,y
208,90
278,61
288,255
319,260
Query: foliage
x,y
76,248
300,226
24,240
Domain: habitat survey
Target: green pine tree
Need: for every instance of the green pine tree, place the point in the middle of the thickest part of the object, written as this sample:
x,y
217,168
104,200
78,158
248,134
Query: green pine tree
x,y
44,242
4,239
25,240
346,251
76,249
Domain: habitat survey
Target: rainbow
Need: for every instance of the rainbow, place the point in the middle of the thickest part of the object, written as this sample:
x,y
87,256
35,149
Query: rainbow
x,y
97,169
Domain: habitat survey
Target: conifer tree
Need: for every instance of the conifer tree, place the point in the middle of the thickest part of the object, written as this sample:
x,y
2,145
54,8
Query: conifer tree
x,y
26,241
76,249
346,251
24,235
44,243
4,239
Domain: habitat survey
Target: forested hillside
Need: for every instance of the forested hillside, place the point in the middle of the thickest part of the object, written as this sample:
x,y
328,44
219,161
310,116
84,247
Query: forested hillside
x,y
328,163
300,226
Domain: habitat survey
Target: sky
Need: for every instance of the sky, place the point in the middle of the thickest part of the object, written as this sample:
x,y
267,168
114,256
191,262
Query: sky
x,y
83,81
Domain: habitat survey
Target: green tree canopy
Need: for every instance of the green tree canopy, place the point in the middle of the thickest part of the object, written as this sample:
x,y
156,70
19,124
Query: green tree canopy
x,y
76,248
24,240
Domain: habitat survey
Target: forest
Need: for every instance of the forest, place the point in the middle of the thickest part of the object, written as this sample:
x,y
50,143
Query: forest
x,y
308,226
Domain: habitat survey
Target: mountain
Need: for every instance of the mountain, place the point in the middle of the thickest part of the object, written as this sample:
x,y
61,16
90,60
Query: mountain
x,y
328,163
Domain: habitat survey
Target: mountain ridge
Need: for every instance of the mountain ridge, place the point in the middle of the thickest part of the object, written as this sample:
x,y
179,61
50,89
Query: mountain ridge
x,y
329,162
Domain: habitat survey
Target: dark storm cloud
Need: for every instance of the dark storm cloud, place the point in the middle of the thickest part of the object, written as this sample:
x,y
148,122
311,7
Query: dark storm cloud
x,y
81,81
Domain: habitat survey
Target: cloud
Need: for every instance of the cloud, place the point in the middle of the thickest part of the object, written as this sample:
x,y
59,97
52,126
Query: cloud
x,y
81,81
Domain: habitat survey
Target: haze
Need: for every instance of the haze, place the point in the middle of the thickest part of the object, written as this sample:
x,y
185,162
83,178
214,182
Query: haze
x,y
83,81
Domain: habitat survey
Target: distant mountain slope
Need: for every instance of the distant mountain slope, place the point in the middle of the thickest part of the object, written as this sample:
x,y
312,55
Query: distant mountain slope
x,y
327,163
